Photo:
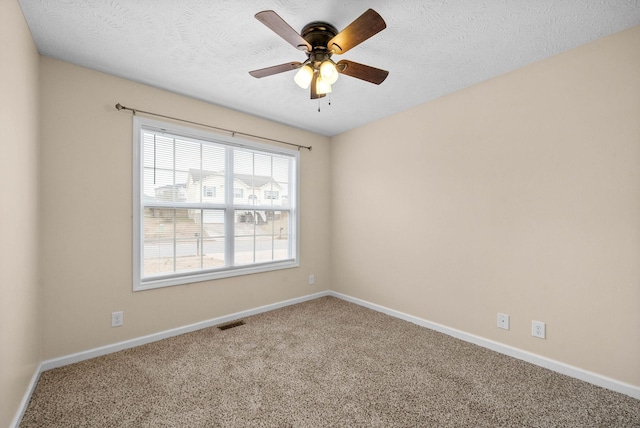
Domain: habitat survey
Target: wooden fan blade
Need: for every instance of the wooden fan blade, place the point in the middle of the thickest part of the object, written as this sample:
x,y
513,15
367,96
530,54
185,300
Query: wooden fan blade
x,y
361,71
264,72
365,26
282,29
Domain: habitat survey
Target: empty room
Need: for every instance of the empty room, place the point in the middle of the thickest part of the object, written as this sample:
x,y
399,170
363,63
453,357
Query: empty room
x,y
308,214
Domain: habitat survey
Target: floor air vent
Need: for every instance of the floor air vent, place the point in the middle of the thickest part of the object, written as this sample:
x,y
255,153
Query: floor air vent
x,y
231,325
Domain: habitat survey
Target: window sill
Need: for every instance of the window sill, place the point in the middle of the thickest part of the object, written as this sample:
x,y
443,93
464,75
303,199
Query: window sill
x,y
185,278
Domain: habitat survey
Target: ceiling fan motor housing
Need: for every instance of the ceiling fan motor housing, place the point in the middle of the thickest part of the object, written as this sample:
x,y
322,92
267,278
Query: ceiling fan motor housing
x,y
318,34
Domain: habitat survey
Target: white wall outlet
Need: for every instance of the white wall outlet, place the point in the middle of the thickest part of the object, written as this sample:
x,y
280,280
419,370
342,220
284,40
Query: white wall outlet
x,y
503,321
312,279
538,329
117,319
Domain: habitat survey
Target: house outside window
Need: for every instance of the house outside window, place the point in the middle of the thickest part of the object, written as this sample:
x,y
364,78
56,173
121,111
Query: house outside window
x,y
197,215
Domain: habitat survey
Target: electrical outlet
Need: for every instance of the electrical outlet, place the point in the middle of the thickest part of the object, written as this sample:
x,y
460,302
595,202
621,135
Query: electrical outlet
x,y
538,329
117,319
503,321
312,279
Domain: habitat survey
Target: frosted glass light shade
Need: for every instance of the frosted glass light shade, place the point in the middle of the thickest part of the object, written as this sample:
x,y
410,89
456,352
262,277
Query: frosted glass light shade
x,y
322,86
303,76
329,72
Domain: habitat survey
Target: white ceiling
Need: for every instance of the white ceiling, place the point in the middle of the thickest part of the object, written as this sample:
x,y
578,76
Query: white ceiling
x,y
205,48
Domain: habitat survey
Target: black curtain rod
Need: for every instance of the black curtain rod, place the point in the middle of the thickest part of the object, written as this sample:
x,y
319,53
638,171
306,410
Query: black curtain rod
x,y
233,133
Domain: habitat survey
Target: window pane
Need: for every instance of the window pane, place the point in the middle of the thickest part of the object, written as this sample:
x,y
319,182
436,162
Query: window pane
x,y
158,151
213,253
182,239
261,236
159,186
244,237
264,248
244,253
243,177
158,258
261,179
281,244
213,158
188,253
281,176
213,242
262,165
158,250
188,233
187,155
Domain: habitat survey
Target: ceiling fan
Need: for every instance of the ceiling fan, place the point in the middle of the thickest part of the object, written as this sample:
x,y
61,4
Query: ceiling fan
x,y
320,40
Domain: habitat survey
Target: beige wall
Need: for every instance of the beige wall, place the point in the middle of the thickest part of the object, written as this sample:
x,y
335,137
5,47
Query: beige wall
x,y
518,195
86,215
19,288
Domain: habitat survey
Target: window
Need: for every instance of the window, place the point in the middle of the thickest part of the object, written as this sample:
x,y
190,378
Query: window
x,y
271,194
197,208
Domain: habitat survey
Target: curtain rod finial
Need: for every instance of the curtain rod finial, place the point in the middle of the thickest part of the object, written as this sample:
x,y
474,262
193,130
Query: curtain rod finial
x,y
119,106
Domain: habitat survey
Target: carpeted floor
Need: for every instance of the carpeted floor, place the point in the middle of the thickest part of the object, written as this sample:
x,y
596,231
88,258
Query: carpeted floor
x,y
321,363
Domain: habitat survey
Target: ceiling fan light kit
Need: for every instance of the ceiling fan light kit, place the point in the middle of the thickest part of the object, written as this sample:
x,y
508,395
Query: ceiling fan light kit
x,y
323,87
329,72
320,40
303,76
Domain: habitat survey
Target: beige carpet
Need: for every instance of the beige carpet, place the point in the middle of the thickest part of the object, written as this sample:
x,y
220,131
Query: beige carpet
x,y
318,364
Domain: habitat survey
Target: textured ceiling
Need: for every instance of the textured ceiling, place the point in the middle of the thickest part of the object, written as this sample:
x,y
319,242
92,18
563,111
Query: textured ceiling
x,y
205,48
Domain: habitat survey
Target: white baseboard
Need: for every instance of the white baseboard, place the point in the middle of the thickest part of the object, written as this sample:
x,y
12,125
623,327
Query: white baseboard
x,y
115,347
27,397
556,366
575,372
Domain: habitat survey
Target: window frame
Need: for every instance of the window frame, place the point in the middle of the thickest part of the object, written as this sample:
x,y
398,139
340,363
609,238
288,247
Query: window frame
x,y
179,278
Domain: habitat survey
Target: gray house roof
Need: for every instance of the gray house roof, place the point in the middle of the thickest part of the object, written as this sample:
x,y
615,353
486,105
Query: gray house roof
x,y
249,180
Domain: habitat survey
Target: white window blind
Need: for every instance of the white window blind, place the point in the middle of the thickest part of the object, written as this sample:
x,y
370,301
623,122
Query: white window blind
x,y
209,206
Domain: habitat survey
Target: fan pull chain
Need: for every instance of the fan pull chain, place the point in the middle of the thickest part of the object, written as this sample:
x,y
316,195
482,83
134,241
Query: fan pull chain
x,y
328,103
319,103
